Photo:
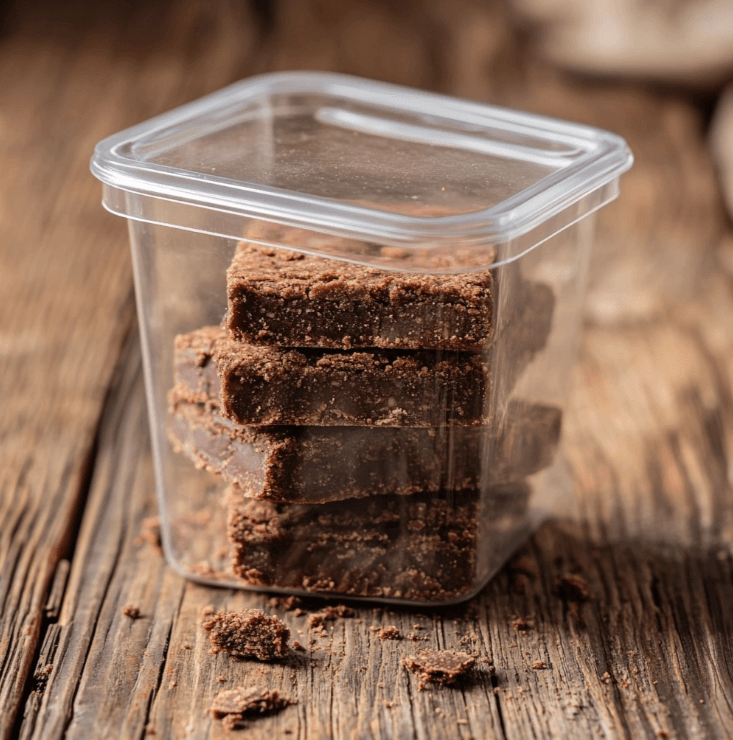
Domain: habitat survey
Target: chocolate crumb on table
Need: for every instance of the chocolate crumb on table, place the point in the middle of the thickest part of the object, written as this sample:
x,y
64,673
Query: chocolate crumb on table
x,y
442,667
248,634
288,603
389,633
572,588
280,297
330,614
233,705
538,665
522,625
150,533
129,610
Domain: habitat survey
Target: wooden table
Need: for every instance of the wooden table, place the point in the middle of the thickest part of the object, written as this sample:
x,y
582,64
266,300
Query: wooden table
x,y
643,649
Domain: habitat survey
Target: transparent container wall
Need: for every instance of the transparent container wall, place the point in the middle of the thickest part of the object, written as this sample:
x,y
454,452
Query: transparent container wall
x,y
420,512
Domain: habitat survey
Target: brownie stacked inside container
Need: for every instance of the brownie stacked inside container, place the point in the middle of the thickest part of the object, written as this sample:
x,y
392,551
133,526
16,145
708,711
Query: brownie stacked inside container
x,y
349,410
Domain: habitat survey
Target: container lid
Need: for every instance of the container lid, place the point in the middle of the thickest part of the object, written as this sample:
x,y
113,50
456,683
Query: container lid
x,y
368,162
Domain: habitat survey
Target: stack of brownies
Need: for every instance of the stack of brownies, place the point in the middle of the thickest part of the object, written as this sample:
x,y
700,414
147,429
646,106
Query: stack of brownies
x,y
348,408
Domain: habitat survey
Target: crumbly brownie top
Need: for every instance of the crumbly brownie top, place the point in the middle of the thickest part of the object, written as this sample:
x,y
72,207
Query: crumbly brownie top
x,y
277,296
288,273
248,634
439,666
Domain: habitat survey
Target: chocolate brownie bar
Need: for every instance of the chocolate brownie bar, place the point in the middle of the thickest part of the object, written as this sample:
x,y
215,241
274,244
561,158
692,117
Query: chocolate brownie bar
x,y
285,298
422,547
272,385
319,464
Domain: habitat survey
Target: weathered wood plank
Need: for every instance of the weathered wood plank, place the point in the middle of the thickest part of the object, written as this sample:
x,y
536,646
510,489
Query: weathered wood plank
x,y
656,621
68,78
648,652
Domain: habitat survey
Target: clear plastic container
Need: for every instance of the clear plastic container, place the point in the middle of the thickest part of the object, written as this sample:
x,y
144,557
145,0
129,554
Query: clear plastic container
x,y
359,307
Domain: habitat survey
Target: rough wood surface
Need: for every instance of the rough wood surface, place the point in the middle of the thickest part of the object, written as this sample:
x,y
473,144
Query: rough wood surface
x,y
625,600
70,75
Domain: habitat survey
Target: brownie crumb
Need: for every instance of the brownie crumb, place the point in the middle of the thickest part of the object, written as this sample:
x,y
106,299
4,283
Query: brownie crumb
x,y
297,645
606,678
438,666
185,646
205,570
329,614
150,730
522,625
415,638
388,704
233,705
131,611
248,634
150,533
538,665
389,633
299,612
221,679
40,678
287,603
572,588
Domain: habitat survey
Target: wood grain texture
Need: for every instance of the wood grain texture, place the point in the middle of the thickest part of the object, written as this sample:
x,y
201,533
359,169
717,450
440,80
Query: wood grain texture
x,y
625,600
642,650
69,76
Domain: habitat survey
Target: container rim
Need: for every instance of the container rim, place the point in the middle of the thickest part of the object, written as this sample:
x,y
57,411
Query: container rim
x,y
593,158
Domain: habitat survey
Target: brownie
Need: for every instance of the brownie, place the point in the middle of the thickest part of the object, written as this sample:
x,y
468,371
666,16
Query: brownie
x,y
319,464
284,298
233,705
423,547
522,334
248,634
276,386
442,667
194,370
